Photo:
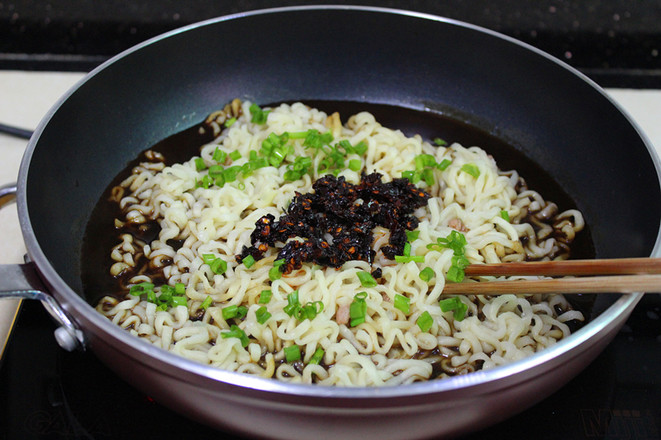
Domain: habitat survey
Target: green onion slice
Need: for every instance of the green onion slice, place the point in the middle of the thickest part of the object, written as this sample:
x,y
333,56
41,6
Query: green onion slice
x,y
358,309
317,356
402,303
445,163
262,315
425,321
292,353
265,296
454,305
427,274
412,235
236,332
366,279
218,266
259,116
206,303
249,261
471,169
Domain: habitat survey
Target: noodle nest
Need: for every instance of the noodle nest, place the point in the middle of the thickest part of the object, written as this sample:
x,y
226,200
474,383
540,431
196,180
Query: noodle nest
x,y
501,219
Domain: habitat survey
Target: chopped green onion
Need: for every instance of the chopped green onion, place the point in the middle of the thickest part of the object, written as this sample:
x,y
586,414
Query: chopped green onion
x,y
291,175
151,297
208,258
455,241
230,312
425,321
402,303
445,163
230,173
265,296
355,164
505,215
366,279
219,155
427,274
229,122
315,139
249,261
180,288
317,356
235,155
409,258
280,262
424,160
456,272
259,116
454,305
141,288
413,176
358,309
216,170
292,353
407,249
292,303
179,301
309,311
218,266
220,181
428,176
471,169
234,311
207,181
262,315
412,235
440,142
206,303
274,273
236,332
360,148
294,308
298,135
448,304
199,164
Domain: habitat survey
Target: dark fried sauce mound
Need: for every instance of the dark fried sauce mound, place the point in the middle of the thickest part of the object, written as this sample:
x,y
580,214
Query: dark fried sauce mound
x,y
334,223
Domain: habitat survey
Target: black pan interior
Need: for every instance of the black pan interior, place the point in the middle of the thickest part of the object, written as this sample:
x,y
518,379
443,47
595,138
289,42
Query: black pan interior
x,y
527,100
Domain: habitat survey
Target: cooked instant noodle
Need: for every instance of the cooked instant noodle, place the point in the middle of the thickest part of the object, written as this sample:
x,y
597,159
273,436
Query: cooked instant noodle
x,y
298,248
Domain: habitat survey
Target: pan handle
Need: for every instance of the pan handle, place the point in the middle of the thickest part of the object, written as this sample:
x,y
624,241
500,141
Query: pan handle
x,y
7,194
22,281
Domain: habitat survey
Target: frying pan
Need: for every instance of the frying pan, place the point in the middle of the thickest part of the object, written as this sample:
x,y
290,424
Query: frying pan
x,y
547,111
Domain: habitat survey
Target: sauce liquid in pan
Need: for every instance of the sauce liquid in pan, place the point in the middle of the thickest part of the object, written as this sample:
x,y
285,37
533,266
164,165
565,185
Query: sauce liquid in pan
x,y
100,235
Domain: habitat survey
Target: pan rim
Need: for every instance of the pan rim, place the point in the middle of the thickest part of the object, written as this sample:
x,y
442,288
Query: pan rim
x,y
496,375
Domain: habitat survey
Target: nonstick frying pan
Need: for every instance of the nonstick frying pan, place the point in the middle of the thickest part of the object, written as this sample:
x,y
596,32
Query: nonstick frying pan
x,y
547,111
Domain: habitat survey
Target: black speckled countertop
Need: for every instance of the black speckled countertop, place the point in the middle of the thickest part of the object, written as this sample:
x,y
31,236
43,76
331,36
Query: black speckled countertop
x,y
615,42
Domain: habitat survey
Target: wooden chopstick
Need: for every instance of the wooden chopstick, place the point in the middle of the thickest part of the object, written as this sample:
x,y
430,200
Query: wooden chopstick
x,y
623,275
601,284
613,266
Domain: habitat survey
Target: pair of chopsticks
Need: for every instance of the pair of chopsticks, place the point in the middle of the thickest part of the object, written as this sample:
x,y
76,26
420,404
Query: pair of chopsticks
x,y
623,275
